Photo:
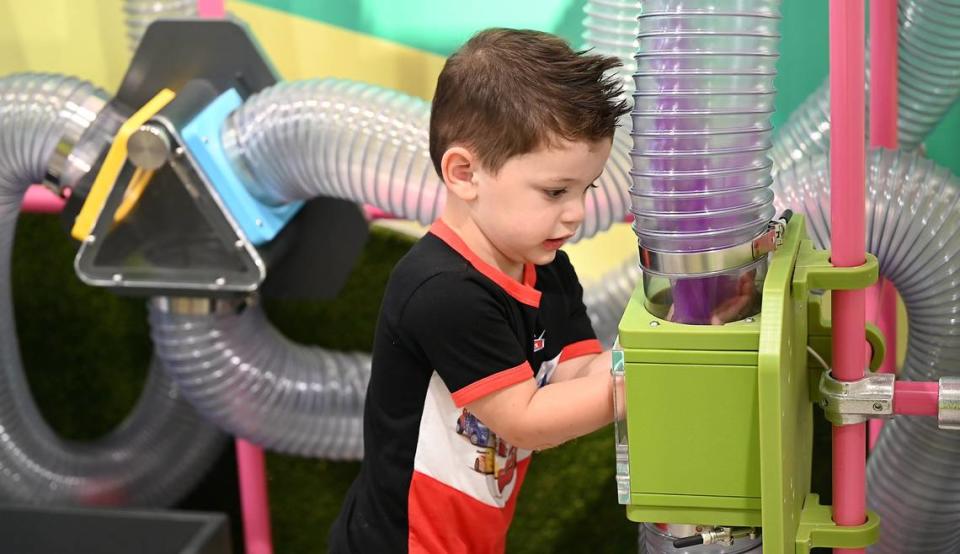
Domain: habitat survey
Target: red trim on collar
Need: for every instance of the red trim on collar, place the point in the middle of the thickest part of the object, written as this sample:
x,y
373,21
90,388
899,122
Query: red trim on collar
x,y
523,292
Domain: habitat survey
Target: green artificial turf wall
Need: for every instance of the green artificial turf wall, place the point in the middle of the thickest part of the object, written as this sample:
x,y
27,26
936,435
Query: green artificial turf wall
x,y
86,351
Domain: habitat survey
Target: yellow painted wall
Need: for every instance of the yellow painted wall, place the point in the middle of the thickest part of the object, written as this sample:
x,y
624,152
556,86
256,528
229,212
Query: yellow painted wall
x,y
86,38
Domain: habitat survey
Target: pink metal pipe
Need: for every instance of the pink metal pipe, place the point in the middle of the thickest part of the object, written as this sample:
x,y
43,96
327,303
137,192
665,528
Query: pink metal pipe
x,y
40,199
847,158
253,498
883,133
883,73
210,8
916,398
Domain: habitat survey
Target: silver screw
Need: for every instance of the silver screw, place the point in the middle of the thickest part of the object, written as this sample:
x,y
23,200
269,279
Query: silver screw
x,y
238,244
877,406
258,222
654,323
117,277
90,239
220,281
749,320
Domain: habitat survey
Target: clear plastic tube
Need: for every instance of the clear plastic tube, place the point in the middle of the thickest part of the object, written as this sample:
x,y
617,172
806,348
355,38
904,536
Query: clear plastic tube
x,y
701,128
331,137
141,13
163,447
610,28
913,227
928,76
607,297
246,377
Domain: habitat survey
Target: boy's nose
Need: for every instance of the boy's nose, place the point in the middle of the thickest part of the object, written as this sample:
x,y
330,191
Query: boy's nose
x,y
573,212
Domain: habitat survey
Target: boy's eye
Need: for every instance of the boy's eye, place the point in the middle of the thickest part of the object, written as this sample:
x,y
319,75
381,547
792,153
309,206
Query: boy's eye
x,y
555,193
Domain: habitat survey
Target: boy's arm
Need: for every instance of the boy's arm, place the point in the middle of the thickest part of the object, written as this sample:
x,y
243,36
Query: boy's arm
x,y
582,366
537,418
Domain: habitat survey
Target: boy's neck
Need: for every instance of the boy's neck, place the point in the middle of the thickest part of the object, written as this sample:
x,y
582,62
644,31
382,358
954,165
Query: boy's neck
x,y
473,237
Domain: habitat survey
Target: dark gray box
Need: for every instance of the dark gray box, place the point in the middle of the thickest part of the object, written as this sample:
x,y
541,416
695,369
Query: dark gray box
x,y
42,530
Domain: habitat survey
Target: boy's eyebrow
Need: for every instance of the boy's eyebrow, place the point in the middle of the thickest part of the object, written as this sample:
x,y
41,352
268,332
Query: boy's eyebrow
x,y
572,179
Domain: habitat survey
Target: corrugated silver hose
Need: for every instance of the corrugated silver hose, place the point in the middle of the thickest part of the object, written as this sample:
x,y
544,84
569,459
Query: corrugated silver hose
x,y
929,84
610,28
607,298
141,13
163,447
913,227
245,376
344,139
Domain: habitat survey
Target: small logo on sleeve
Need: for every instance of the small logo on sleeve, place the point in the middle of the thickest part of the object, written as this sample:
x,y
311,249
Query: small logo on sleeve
x,y
539,342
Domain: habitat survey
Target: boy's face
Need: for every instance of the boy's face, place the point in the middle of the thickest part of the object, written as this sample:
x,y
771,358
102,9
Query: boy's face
x,y
535,203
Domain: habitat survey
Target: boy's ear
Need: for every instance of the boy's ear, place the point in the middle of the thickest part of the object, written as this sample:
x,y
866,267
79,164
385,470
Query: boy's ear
x,y
459,166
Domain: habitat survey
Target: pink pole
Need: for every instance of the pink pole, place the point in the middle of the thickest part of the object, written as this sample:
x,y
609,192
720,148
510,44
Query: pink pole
x,y
847,158
883,134
916,398
210,8
40,199
253,498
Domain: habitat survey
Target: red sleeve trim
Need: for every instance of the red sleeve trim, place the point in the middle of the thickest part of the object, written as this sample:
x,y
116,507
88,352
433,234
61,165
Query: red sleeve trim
x,y
495,382
581,348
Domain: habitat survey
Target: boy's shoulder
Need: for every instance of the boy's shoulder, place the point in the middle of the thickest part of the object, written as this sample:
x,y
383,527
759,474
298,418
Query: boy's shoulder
x,y
434,270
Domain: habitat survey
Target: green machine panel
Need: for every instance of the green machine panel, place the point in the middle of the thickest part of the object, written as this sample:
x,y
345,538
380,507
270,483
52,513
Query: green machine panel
x,y
719,419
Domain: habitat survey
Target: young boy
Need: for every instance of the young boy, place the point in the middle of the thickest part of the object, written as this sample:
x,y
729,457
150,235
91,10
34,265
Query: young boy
x,y
483,350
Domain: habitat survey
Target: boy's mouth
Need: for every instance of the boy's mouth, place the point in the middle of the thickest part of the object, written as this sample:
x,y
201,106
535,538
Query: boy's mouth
x,y
555,244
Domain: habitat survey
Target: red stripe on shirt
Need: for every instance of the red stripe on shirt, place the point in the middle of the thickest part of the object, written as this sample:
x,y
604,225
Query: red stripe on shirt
x,y
581,348
522,292
495,382
444,520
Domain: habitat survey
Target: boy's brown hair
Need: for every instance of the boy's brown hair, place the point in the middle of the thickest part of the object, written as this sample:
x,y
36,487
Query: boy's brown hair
x,y
507,92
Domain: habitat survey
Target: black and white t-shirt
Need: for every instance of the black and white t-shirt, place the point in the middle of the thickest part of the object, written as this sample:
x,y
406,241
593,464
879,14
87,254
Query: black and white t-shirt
x,y
452,329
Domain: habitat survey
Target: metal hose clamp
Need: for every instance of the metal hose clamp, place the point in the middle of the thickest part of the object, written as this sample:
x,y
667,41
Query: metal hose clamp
x,y
948,403
79,127
716,261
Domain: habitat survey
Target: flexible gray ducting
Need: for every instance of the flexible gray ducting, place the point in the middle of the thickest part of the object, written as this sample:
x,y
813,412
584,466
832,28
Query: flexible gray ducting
x,y
242,374
929,84
610,28
913,227
350,140
161,450
141,13
607,298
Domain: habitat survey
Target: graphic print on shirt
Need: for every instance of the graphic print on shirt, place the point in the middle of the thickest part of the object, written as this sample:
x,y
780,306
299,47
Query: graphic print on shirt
x,y
457,449
539,342
496,459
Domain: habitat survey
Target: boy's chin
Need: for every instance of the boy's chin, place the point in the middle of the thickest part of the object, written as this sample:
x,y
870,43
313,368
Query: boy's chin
x,y
543,257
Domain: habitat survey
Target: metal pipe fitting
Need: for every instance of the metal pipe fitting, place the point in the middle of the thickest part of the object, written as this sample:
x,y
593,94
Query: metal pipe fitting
x,y
851,402
948,403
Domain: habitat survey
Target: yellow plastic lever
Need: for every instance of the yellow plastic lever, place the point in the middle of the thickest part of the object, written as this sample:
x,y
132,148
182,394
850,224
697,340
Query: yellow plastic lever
x,y
113,163
139,181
